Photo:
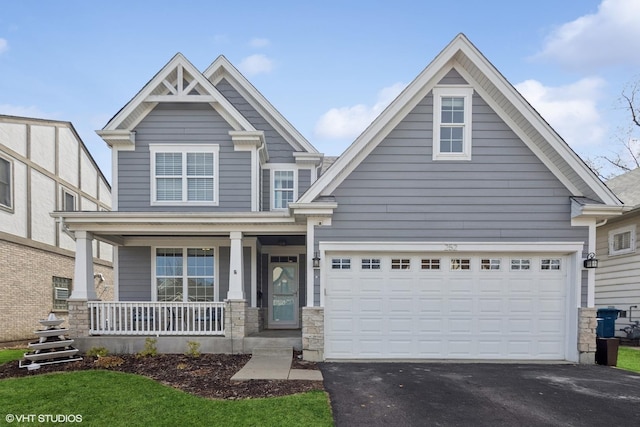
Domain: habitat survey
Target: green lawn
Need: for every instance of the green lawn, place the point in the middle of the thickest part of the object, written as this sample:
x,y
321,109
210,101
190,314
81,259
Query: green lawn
x,y
629,359
9,354
119,399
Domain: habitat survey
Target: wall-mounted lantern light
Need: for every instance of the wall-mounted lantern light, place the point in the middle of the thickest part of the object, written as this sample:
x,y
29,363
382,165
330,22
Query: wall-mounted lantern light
x,y
316,260
591,261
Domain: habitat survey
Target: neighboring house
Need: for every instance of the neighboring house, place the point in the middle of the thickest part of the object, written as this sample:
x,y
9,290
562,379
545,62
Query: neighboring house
x,y
618,275
454,227
44,167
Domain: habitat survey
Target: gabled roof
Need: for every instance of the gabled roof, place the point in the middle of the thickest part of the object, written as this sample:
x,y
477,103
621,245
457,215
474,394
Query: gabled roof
x,y
627,187
177,81
221,68
500,95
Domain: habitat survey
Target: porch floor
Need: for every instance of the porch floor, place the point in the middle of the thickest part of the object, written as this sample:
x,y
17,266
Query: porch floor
x,y
274,338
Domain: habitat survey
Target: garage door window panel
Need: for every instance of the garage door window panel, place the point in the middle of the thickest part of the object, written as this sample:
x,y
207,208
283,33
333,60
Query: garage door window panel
x,y
520,264
369,264
458,264
401,264
490,264
550,264
341,263
430,264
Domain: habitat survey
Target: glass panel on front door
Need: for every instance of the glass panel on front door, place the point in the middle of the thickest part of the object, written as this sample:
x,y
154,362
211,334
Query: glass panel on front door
x,y
285,292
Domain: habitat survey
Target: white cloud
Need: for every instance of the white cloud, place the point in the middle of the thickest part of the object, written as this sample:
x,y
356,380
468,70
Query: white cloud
x,y
4,45
22,111
571,110
349,122
608,37
256,64
258,42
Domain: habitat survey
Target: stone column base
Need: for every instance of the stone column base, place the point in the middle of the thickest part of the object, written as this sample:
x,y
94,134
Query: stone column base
x,y
587,324
235,324
313,333
78,318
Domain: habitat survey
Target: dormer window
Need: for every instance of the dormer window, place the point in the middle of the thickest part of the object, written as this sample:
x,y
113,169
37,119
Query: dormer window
x,y
284,188
452,123
184,174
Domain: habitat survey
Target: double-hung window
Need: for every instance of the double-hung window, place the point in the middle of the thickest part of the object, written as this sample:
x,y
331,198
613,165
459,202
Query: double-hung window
x,y
622,240
184,174
452,123
185,274
6,198
284,188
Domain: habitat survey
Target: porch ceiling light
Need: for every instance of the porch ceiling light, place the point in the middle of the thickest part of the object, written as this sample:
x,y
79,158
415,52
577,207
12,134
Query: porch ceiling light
x,y
591,261
316,260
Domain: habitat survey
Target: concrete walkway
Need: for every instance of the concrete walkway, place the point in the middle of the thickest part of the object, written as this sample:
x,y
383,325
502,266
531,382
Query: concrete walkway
x,y
274,364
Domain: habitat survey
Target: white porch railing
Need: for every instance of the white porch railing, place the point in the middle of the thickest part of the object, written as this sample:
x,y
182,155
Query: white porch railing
x,y
156,318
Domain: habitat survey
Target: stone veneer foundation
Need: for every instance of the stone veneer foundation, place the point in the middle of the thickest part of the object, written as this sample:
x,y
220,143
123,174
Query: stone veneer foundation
x,y
587,324
313,333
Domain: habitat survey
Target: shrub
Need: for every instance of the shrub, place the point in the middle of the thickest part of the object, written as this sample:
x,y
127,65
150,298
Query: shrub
x,y
109,361
97,352
150,348
193,349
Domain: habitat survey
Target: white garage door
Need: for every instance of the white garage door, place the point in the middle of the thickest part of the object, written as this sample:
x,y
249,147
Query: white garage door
x,y
441,306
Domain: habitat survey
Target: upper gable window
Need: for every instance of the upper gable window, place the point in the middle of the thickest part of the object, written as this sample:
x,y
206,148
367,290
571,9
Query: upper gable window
x,y
6,199
452,123
622,240
67,200
184,174
284,188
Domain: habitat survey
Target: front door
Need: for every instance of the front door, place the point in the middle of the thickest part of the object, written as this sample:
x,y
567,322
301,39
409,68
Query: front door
x,y
283,303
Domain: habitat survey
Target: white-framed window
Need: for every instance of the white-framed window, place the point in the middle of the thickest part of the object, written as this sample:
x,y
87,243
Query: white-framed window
x,y
460,264
622,240
401,264
341,263
184,174
284,188
452,123
490,264
430,264
550,264
370,264
67,200
6,186
185,274
518,264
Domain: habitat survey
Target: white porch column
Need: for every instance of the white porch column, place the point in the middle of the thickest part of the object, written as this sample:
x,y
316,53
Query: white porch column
x,y
83,283
591,272
310,254
236,280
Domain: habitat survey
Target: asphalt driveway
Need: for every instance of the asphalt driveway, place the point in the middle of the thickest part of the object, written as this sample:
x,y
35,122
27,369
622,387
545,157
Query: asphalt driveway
x,y
472,394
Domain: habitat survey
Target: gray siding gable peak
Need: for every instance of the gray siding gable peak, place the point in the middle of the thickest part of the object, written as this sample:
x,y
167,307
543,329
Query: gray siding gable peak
x,y
222,68
177,81
500,95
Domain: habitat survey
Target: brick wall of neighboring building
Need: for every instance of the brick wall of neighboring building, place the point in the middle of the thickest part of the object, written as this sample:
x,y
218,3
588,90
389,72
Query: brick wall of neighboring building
x,y
26,287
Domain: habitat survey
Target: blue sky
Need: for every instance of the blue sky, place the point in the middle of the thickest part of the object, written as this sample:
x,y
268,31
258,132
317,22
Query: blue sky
x,y
329,67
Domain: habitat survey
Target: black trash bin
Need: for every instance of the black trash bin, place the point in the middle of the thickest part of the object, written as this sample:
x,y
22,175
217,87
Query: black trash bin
x,y
607,322
607,351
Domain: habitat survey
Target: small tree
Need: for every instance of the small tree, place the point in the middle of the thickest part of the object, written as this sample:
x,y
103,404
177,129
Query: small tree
x,y
626,156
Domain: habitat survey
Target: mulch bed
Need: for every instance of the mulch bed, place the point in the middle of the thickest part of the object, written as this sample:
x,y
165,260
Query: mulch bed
x,y
208,375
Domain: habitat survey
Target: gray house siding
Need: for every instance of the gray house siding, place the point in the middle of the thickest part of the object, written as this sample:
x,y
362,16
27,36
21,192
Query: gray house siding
x,y
266,189
134,273
304,181
280,151
504,194
183,123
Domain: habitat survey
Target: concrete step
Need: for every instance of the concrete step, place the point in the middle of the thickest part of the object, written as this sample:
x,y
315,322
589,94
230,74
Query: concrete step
x,y
280,351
